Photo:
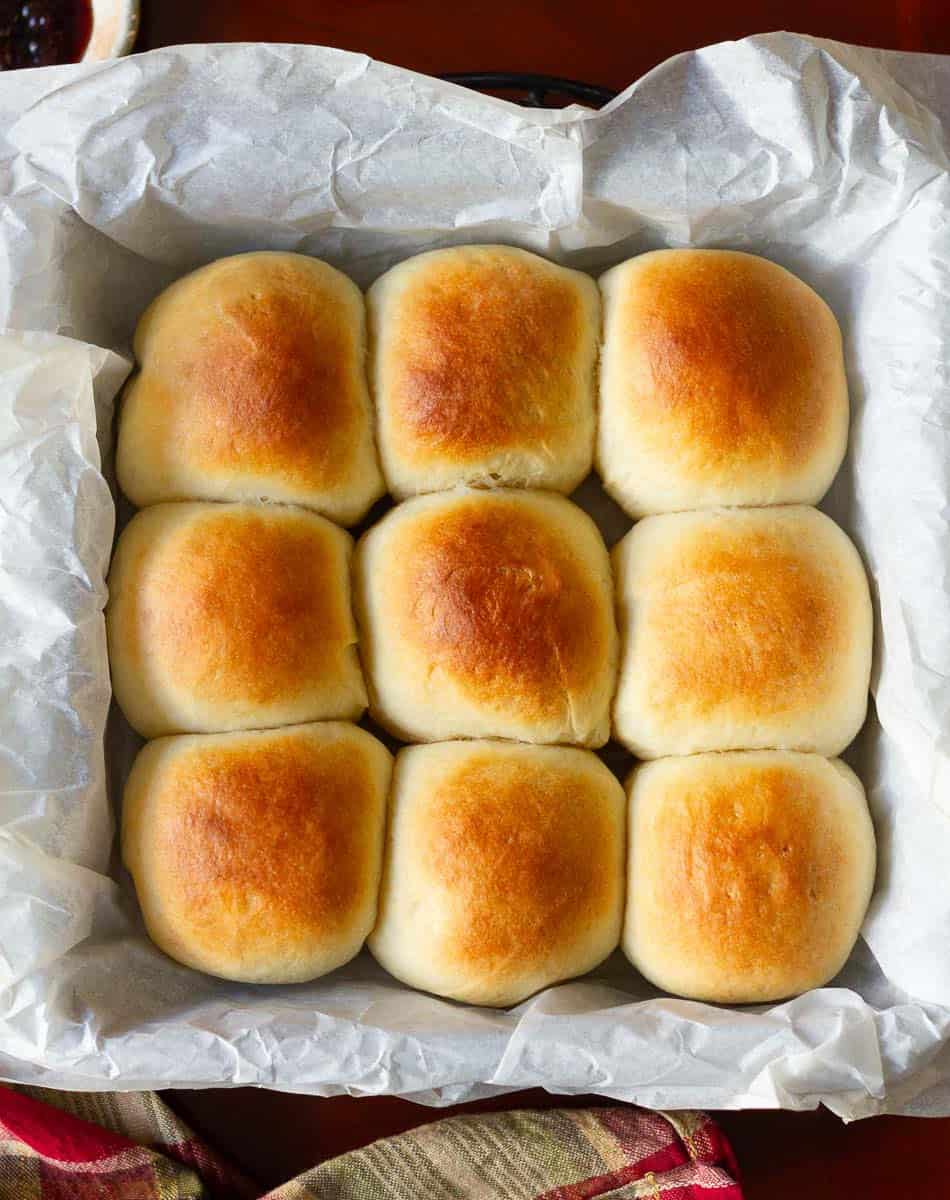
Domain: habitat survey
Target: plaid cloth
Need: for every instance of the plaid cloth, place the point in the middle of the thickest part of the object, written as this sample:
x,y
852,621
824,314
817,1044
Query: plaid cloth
x,y
131,1146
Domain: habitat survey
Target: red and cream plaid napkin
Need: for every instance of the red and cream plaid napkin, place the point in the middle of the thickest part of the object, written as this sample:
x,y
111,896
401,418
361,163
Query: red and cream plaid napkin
x,y
131,1146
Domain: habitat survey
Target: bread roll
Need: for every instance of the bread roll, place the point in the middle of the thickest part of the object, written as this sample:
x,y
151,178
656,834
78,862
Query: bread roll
x,y
251,386
487,614
503,870
483,370
722,383
748,873
231,616
741,629
256,856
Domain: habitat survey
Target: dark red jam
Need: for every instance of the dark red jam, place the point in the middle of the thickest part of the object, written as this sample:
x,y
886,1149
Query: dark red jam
x,y
39,33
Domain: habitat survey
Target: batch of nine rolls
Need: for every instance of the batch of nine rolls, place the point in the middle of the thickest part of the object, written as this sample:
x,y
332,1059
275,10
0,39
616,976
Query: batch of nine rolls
x,y
726,643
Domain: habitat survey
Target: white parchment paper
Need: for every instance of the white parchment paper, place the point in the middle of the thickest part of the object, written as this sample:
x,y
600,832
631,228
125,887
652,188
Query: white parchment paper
x,y
115,178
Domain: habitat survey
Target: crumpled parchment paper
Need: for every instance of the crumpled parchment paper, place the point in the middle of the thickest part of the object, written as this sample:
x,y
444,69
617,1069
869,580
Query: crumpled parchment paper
x,y
117,177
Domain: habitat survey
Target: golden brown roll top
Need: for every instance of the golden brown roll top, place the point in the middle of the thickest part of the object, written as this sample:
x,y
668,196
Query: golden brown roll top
x,y
504,869
722,383
741,629
748,873
256,856
482,365
251,386
487,614
231,616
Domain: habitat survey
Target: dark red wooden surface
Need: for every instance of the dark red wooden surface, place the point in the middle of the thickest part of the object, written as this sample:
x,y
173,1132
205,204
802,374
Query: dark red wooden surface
x,y
610,42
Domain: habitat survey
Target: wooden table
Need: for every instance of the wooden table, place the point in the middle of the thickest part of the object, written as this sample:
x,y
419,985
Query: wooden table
x,y
612,42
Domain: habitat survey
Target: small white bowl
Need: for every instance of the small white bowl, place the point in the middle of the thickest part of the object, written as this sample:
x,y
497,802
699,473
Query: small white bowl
x,y
114,26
